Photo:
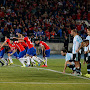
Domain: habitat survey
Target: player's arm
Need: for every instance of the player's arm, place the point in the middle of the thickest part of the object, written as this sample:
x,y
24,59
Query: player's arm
x,y
65,66
3,44
43,50
79,47
13,52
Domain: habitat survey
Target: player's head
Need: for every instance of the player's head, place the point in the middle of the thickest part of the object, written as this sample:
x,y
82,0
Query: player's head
x,y
88,31
63,52
19,34
86,42
73,32
37,41
6,37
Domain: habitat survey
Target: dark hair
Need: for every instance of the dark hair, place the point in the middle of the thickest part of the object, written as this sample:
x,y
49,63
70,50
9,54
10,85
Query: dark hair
x,y
85,40
64,50
36,40
74,30
7,36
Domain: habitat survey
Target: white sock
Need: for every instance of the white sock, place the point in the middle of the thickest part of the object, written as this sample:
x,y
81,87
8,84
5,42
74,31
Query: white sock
x,y
28,60
22,61
40,59
4,60
36,59
10,58
32,60
45,60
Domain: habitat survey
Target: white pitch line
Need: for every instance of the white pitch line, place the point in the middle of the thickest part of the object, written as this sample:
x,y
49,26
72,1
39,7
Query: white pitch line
x,y
44,83
57,72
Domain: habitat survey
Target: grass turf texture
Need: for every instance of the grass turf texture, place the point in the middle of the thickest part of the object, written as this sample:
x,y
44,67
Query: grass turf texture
x,y
38,79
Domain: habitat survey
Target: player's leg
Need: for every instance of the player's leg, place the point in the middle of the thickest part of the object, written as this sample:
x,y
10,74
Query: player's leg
x,y
10,58
21,57
28,57
76,58
1,56
71,65
47,52
88,67
0,59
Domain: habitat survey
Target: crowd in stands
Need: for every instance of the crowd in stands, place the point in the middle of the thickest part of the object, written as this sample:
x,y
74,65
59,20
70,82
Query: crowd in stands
x,y
43,19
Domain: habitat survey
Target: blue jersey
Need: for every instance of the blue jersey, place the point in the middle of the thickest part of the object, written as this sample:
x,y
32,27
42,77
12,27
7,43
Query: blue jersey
x,y
76,44
69,56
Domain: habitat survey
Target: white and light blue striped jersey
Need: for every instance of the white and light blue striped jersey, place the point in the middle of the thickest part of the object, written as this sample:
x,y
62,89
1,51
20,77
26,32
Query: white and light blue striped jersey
x,y
69,56
86,48
76,44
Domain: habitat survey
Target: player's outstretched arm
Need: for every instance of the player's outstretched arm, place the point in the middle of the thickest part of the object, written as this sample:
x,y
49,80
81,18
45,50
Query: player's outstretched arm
x,y
13,52
3,44
65,67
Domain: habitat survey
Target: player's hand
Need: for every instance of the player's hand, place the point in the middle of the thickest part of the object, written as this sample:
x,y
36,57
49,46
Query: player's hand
x,y
77,50
63,72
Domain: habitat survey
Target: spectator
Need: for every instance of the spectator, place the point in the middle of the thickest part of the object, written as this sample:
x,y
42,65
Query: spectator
x,y
59,33
17,30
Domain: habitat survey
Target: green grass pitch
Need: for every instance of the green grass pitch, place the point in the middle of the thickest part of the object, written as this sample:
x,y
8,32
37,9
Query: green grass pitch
x,y
15,77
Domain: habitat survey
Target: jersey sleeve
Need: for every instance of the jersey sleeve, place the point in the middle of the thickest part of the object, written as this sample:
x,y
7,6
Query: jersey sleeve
x,y
79,39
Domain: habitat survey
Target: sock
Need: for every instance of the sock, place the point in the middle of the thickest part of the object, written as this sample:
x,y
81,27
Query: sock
x,y
28,60
72,67
1,62
10,58
32,60
78,70
22,61
4,60
88,68
36,59
45,60
40,59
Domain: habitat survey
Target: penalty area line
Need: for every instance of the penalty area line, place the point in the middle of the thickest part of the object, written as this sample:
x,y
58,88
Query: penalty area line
x,y
44,83
57,72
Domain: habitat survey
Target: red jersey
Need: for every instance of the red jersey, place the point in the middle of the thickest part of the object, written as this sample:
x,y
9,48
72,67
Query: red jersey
x,y
1,49
12,47
8,41
19,46
44,44
28,42
24,44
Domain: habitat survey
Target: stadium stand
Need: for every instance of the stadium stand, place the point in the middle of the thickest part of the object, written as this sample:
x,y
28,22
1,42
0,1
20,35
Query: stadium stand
x,y
49,20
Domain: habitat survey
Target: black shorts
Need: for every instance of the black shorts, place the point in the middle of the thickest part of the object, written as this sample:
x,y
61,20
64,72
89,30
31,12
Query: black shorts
x,y
88,59
77,57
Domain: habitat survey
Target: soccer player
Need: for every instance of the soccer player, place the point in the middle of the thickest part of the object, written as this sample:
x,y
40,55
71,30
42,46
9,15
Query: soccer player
x,y
2,51
30,52
87,44
45,50
77,41
70,62
85,48
22,52
12,47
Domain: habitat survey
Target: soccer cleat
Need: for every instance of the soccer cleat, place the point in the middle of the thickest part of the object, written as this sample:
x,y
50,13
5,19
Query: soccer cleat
x,y
22,66
87,75
10,64
39,64
27,65
44,66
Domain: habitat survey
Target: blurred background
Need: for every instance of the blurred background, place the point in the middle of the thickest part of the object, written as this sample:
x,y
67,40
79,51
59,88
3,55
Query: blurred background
x,y
48,20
